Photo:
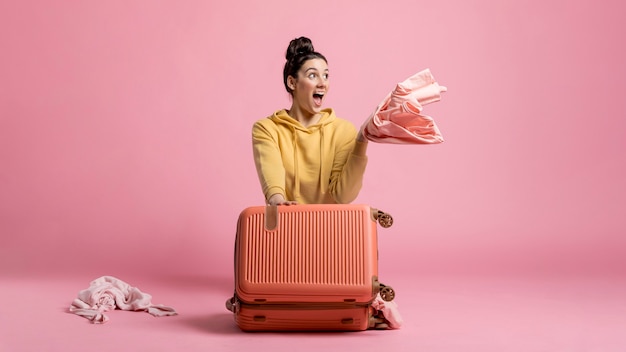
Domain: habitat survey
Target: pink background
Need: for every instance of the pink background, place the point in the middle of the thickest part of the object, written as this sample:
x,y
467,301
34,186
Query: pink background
x,y
125,132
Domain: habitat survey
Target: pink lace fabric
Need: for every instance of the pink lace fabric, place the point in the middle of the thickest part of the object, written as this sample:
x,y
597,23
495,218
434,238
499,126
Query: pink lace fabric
x,y
109,293
398,119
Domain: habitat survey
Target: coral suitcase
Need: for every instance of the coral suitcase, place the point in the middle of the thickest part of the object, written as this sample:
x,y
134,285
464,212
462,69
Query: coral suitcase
x,y
307,267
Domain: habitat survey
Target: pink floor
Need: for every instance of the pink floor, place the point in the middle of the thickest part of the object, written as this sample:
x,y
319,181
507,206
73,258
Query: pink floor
x,y
445,313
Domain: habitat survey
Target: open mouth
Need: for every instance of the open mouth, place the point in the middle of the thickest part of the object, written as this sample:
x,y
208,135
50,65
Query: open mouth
x,y
318,97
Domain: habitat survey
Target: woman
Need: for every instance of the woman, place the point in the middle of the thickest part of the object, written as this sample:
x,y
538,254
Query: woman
x,y
306,154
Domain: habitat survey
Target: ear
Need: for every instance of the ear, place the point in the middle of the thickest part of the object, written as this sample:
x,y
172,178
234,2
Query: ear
x,y
291,82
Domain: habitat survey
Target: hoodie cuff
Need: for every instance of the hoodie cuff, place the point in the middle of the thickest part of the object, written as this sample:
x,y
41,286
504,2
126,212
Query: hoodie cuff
x,y
274,190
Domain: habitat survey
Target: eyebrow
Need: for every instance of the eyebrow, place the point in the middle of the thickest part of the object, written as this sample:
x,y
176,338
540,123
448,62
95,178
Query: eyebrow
x,y
313,68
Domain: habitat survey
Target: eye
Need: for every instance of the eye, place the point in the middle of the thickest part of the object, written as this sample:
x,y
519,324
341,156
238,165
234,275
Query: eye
x,y
325,76
312,75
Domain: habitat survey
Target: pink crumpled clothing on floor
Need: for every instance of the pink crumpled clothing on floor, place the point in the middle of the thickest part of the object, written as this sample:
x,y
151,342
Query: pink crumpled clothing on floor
x,y
398,119
389,311
108,293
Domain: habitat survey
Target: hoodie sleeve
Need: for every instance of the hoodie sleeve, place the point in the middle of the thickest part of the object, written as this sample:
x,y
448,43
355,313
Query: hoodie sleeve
x,y
346,178
268,161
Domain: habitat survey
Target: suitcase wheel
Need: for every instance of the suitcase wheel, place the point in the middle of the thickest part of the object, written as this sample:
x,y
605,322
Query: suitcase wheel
x,y
232,304
385,220
387,293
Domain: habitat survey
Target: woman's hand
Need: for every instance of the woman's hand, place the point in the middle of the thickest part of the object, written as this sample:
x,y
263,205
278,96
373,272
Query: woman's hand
x,y
279,199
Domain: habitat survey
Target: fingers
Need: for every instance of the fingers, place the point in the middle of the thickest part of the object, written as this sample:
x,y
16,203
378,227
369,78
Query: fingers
x,y
286,203
279,199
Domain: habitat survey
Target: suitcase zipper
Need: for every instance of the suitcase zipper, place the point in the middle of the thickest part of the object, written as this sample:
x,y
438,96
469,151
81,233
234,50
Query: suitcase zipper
x,y
237,304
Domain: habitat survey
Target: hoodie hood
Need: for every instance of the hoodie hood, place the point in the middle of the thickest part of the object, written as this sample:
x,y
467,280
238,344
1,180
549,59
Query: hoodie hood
x,y
281,117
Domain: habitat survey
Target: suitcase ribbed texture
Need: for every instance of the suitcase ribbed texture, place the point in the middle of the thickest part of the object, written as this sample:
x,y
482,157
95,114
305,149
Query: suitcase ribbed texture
x,y
319,247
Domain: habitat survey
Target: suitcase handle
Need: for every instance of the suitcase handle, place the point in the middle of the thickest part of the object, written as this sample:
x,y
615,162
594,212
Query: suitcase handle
x,y
271,217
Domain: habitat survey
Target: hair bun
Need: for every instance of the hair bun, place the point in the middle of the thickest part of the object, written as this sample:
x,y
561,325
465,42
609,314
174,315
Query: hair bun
x,y
299,46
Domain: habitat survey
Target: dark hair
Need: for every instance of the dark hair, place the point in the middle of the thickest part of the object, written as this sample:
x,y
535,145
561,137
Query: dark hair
x,y
299,50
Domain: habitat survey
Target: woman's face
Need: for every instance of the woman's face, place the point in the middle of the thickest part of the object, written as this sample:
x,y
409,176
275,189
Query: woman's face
x,y
311,86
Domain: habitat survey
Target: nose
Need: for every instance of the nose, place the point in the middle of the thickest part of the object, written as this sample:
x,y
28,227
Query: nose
x,y
322,81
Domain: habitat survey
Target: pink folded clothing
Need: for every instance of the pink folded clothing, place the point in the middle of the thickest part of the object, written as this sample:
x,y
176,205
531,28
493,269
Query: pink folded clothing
x,y
108,293
398,119
388,311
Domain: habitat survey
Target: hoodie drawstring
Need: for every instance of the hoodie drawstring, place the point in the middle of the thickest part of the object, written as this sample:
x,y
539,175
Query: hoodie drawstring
x,y
323,182
296,168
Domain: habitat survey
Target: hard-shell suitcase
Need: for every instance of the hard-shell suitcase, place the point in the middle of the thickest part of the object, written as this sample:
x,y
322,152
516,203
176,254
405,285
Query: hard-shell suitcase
x,y
307,267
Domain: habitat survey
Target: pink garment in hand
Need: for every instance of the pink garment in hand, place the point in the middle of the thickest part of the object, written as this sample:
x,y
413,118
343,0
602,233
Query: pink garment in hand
x,y
108,293
398,118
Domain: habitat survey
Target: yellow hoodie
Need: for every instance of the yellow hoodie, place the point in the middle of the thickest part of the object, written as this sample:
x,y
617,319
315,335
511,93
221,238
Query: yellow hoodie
x,y
321,163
